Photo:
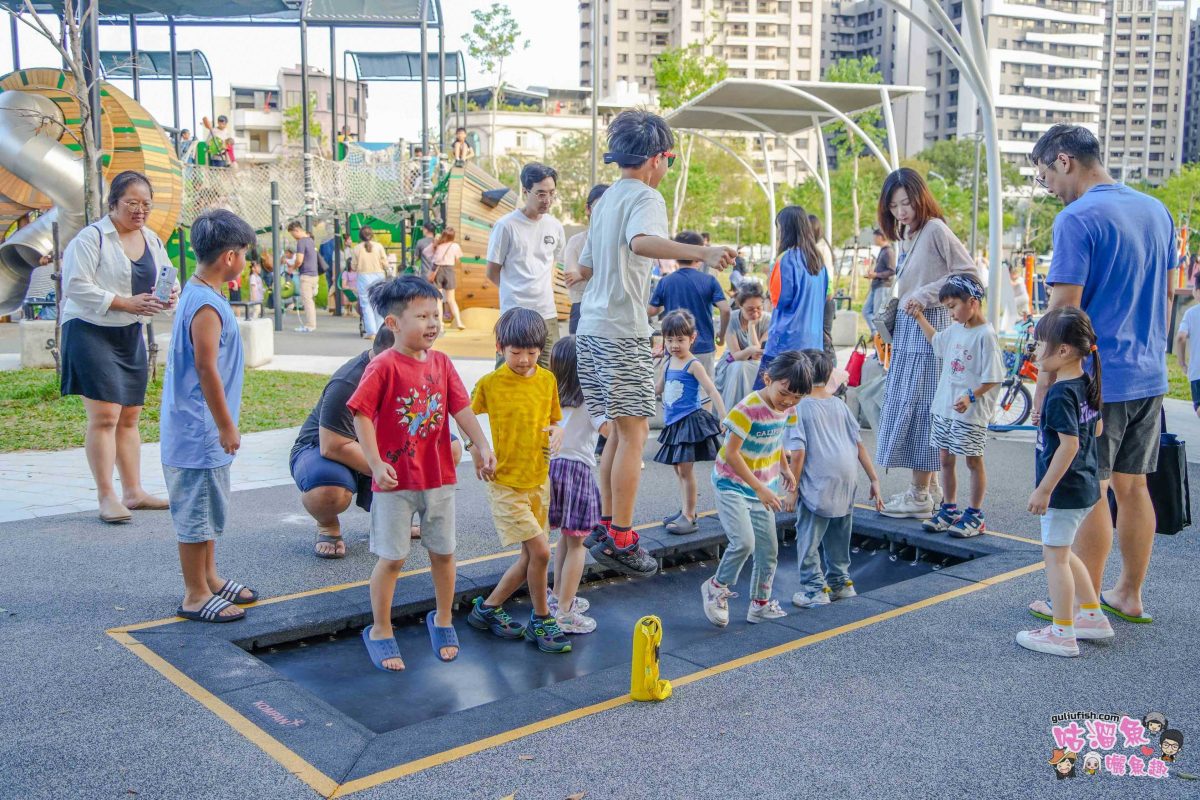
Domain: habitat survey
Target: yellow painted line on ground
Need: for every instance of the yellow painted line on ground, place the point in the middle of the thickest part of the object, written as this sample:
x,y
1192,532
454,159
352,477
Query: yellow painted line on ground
x,y
319,781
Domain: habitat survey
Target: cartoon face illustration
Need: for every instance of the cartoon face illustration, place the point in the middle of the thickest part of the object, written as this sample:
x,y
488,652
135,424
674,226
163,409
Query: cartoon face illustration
x,y
1063,762
1171,742
1155,723
1091,763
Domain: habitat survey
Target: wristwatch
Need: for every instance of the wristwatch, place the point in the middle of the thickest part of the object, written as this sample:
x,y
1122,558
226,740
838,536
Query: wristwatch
x,y
971,395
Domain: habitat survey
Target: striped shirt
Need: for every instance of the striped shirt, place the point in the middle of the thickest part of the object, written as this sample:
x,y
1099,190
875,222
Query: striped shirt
x,y
761,430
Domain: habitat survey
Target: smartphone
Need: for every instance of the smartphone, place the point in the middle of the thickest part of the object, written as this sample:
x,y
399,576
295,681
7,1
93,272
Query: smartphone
x,y
165,283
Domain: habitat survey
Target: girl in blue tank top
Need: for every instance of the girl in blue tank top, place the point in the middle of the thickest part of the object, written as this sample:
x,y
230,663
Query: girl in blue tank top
x,y
690,433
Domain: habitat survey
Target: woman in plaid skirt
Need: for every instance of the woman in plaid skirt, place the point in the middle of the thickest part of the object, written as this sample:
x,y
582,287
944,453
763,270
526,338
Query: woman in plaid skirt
x,y
929,254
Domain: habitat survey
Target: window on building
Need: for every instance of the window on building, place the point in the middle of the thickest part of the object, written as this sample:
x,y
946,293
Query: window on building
x,y
642,58
662,39
641,36
622,58
622,13
622,36
765,29
804,52
643,15
698,26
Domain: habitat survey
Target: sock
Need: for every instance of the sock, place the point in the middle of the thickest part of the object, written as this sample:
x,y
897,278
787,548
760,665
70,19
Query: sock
x,y
607,523
951,507
1064,627
1090,610
623,537
976,512
758,603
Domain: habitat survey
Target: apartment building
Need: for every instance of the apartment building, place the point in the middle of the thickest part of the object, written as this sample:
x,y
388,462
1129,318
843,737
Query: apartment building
x,y
763,39
1145,83
1191,124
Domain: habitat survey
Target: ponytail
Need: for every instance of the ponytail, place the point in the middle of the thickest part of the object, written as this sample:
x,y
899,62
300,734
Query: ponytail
x,y
365,235
1094,398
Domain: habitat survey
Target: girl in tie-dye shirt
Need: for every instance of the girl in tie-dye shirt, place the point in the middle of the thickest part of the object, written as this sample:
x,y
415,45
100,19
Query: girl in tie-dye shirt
x,y
750,472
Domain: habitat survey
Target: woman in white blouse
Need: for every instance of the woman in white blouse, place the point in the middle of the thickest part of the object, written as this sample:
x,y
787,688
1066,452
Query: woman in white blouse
x,y
109,271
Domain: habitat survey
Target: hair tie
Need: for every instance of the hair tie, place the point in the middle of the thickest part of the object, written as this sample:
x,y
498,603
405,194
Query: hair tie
x,y
1093,348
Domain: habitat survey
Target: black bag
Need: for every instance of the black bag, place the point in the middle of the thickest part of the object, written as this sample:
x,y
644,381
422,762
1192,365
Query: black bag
x,y
1170,492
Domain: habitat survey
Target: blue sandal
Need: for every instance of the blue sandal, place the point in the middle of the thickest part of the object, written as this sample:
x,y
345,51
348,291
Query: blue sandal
x,y
381,649
441,637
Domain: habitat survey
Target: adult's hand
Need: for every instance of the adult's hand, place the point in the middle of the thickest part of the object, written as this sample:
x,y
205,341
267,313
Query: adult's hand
x,y
572,277
145,305
174,298
719,256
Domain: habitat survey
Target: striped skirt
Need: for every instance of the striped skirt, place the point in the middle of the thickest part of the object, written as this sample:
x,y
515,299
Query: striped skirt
x,y
904,419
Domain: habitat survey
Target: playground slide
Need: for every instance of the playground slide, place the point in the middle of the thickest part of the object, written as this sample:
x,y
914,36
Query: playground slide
x,y
30,126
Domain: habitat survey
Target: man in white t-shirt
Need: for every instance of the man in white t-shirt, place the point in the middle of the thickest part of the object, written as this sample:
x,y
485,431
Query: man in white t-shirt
x,y
524,250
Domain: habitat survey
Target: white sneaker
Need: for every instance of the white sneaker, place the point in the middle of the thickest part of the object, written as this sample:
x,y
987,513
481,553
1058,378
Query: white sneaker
x,y
716,602
768,610
578,604
810,599
1045,640
574,622
908,505
843,592
304,329
935,490
1089,628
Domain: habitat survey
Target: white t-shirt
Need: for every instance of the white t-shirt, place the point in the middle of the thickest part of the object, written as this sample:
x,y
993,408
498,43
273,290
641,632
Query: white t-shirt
x,y
571,260
970,357
580,434
1191,326
614,302
528,251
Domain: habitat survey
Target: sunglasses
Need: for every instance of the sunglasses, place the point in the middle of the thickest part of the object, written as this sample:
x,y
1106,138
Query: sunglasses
x,y
617,158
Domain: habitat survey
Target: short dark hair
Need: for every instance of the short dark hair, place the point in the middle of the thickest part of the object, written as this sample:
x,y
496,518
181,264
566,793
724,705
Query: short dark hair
x,y
460,128
564,365
185,130
679,322
637,132
521,328
748,291
820,365
595,193
1172,734
295,225
536,173
384,340
120,185
392,297
877,232
791,367
688,237
222,118
429,226
1074,140
218,230
961,286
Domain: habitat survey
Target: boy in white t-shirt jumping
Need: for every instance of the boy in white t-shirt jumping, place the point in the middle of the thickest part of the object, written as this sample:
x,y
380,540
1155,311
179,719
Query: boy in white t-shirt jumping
x,y
964,403
524,248
1183,345
628,230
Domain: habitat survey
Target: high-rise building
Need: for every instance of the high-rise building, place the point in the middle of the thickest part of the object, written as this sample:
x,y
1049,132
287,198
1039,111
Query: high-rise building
x,y
1191,124
766,39
1144,88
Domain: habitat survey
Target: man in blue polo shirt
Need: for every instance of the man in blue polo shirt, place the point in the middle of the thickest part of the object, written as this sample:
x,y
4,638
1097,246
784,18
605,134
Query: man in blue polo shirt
x,y
690,289
1114,257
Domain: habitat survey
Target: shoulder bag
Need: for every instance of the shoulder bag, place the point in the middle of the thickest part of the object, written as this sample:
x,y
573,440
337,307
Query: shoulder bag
x,y
885,315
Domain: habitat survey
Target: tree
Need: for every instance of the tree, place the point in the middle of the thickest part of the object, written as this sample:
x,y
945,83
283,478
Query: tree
x,y
680,74
293,122
493,39
571,157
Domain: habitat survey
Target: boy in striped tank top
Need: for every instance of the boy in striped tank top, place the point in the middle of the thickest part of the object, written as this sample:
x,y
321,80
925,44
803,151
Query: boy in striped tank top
x,y
749,477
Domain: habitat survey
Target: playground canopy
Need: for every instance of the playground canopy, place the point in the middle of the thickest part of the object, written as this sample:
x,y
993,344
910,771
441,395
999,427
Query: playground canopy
x,y
785,109
342,13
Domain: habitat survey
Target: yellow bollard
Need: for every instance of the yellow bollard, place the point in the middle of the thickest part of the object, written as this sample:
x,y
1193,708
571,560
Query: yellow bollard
x,y
644,683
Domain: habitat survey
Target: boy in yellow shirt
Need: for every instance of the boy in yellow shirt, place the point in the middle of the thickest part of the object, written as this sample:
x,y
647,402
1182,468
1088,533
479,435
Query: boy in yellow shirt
x,y
521,402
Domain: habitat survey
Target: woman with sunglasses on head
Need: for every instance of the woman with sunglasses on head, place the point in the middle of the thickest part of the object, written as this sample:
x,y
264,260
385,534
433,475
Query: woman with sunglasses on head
x,y
109,272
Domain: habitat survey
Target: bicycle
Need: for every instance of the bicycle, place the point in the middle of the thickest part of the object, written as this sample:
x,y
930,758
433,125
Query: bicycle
x,y
1015,403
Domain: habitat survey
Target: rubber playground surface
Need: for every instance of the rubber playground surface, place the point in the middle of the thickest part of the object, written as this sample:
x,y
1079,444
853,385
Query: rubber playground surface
x,y
914,688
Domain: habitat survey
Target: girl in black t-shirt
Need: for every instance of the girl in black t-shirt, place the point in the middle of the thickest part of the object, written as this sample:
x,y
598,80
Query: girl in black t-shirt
x,y
1067,481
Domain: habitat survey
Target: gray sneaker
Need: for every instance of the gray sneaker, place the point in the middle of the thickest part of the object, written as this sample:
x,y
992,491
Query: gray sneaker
x,y
632,560
810,599
844,591
908,505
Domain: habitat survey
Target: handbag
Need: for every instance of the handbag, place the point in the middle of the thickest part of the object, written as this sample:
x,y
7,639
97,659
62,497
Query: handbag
x,y
854,364
1170,491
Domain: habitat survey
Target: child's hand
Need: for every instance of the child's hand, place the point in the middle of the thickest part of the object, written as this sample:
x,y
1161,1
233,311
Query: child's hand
x,y
962,404
230,439
572,277
556,436
769,499
789,501
1039,501
485,462
385,476
877,495
915,309
789,481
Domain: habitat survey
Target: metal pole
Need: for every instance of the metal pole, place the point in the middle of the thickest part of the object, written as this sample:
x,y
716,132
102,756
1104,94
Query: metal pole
x,y
16,42
345,98
595,48
975,199
462,103
762,142
337,219
276,259
827,190
192,77
308,182
183,248
333,87
441,86
91,67
175,78
889,125
424,109
135,67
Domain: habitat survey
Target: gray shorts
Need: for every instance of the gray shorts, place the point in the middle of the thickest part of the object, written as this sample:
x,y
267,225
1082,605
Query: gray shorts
x,y
1059,525
392,520
1129,442
199,502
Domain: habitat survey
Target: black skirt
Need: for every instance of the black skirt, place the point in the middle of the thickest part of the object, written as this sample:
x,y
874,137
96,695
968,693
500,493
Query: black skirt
x,y
104,363
696,437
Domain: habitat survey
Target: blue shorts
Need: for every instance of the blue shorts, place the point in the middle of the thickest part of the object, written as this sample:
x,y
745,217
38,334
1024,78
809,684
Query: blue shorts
x,y
311,470
199,502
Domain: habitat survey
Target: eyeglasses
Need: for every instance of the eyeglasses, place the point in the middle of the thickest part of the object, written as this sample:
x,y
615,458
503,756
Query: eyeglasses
x,y
134,205
1040,180
636,160
543,194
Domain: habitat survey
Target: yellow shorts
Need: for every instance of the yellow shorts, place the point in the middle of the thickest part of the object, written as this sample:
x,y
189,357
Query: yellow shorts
x,y
519,514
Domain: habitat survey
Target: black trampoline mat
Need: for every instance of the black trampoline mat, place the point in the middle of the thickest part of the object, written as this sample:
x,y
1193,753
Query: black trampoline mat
x,y
337,670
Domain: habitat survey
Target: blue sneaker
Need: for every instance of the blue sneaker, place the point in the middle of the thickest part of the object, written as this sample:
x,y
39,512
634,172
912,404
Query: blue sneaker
x,y
945,518
969,525
545,633
496,620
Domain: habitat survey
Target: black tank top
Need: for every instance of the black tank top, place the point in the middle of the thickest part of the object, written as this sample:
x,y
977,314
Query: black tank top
x,y
145,271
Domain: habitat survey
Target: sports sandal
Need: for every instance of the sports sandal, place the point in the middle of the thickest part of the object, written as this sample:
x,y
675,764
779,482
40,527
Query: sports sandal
x,y
632,560
333,540
599,534
232,592
441,637
381,649
211,611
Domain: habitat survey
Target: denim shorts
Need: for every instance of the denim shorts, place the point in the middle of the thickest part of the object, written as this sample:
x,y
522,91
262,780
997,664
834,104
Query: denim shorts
x,y
1059,525
311,470
199,502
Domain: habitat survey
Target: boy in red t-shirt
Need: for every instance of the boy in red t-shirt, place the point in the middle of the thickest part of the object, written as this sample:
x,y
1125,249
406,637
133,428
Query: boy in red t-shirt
x,y
400,410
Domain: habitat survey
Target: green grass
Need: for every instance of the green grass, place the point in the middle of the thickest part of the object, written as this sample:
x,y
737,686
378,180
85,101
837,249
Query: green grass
x,y
1180,388
34,417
